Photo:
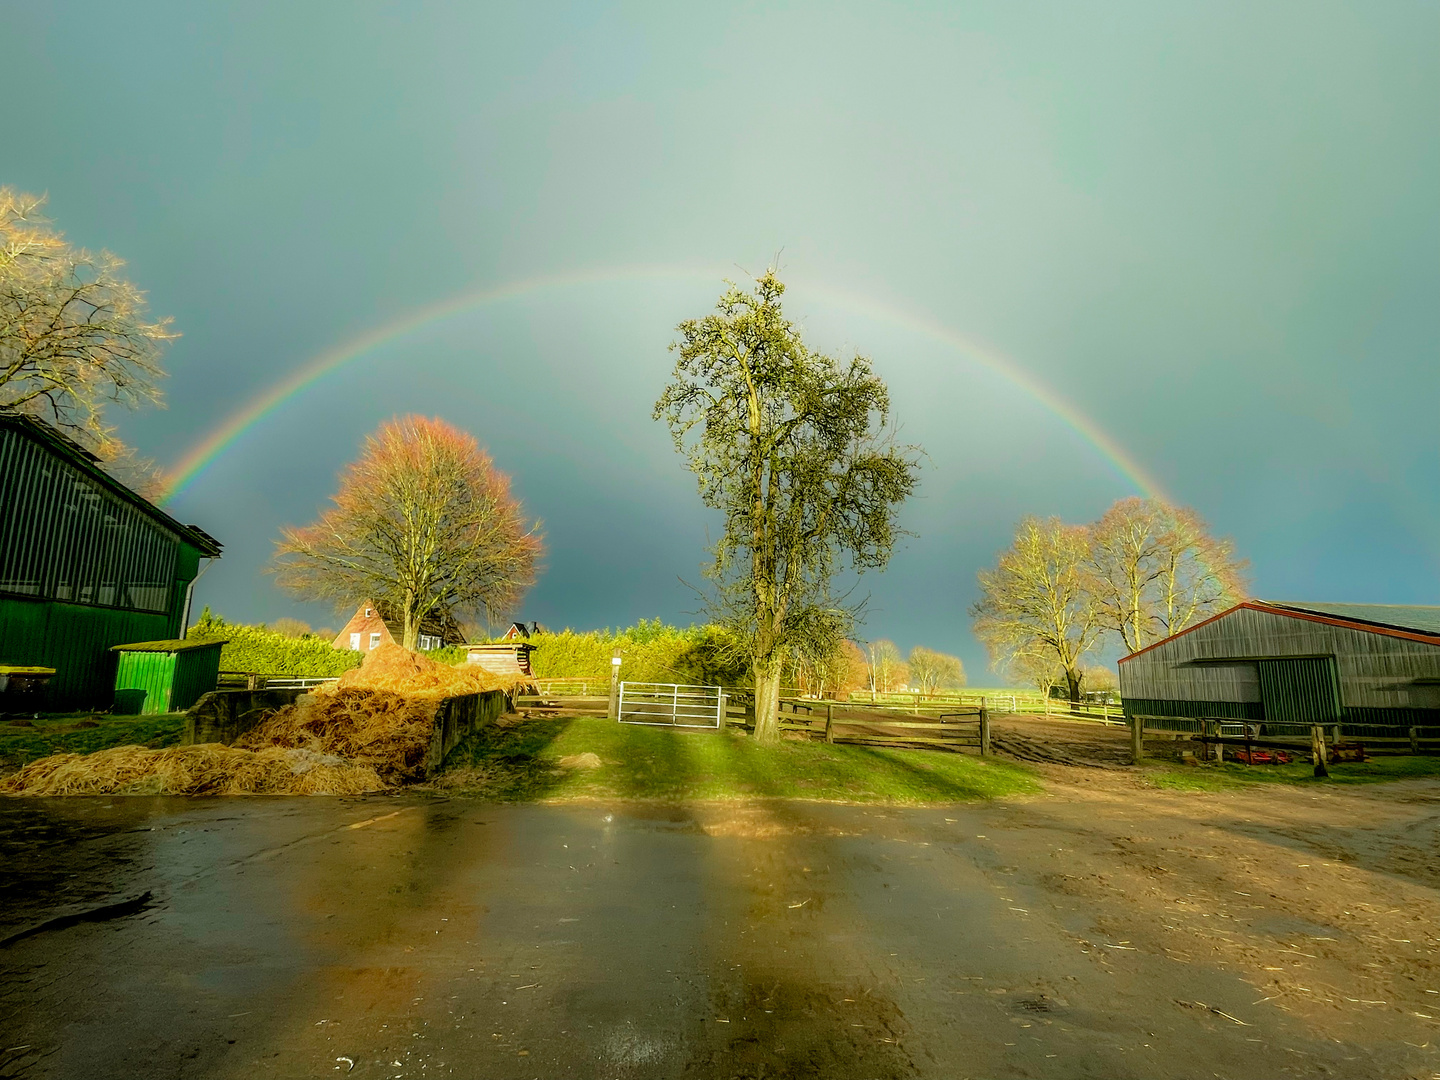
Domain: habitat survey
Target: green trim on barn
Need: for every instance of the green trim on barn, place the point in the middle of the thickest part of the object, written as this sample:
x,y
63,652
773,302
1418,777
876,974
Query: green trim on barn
x,y
1227,710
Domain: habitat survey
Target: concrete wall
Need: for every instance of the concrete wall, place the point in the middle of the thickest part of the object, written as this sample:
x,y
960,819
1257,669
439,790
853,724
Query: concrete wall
x,y
224,715
459,717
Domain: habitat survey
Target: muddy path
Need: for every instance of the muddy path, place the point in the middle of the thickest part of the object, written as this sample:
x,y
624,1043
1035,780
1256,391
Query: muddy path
x,y
1103,929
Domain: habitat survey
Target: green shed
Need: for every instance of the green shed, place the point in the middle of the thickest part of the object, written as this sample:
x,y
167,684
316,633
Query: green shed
x,y
164,676
85,563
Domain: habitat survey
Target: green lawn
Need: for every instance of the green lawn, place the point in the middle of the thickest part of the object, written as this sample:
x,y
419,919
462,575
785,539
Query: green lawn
x,y
63,735
523,763
1229,776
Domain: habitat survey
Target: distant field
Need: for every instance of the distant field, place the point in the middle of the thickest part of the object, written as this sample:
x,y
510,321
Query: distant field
x,y
525,763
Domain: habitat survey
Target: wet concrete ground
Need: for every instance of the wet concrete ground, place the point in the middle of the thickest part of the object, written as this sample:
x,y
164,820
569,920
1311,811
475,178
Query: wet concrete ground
x,y
413,937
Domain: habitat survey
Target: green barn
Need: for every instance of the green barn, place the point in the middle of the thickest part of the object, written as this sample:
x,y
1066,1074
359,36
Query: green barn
x,y
85,564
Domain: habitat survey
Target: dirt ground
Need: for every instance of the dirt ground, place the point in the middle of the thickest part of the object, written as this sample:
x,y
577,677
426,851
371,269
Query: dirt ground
x,y
1101,929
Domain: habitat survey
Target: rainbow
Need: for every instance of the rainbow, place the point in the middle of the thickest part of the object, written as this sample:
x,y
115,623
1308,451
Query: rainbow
x,y
204,453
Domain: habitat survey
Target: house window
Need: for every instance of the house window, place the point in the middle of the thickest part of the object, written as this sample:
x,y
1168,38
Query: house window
x,y
369,613
374,641
355,642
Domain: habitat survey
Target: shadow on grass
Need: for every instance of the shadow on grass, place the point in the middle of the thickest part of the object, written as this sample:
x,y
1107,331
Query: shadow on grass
x,y
930,782
657,765
505,763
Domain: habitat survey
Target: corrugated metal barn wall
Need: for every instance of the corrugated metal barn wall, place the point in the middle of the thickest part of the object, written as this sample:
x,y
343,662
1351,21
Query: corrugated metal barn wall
x,y
1381,678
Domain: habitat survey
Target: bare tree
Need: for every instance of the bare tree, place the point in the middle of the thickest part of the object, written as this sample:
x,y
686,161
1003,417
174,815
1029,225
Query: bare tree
x,y
792,446
73,335
1036,602
1155,570
883,660
424,524
930,670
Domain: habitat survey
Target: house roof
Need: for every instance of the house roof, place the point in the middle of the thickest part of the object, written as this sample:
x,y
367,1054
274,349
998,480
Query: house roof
x,y
76,455
1413,622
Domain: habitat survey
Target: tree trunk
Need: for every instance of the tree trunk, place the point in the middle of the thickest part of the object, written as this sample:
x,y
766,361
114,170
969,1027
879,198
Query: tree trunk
x,y
767,701
1072,682
410,635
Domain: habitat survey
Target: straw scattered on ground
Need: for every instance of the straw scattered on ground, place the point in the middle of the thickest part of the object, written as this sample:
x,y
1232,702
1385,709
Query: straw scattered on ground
x,y
207,769
369,732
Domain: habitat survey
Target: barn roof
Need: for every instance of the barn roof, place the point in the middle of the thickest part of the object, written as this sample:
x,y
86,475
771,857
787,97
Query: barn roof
x,y
1413,621
1421,619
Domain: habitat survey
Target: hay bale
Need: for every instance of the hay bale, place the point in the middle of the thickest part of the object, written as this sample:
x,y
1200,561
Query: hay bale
x,y
586,760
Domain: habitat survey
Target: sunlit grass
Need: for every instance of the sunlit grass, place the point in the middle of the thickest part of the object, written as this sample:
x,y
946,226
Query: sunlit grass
x,y
1230,776
638,762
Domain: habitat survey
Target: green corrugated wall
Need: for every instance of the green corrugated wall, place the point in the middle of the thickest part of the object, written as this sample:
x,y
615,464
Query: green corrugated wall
x,y
1300,690
75,639
143,681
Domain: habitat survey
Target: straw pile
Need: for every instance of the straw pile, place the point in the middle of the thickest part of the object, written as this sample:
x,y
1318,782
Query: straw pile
x,y
367,733
208,769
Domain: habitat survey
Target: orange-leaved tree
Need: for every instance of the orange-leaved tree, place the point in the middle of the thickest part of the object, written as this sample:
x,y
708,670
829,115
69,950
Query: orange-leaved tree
x,y
424,524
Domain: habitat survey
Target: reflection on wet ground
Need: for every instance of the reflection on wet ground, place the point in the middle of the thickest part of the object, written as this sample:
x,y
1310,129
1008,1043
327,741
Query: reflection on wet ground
x,y
404,937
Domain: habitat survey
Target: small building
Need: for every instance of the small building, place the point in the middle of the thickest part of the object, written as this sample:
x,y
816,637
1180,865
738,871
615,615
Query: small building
x,y
502,657
1374,668
374,624
164,676
85,564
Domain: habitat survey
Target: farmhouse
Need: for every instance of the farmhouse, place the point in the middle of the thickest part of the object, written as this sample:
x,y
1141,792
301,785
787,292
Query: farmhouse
x,y
85,564
374,625
1374,668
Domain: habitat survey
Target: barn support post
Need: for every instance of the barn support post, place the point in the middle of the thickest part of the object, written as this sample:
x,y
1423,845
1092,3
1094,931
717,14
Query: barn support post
x,y
1137,739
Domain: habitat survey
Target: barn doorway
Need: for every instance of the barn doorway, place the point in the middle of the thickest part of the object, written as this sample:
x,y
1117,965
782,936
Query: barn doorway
x,y
1300,690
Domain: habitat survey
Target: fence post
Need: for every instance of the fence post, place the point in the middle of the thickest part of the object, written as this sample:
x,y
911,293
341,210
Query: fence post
x,y
1415,740
1137,739
1317,750
830,721
984,729
615,686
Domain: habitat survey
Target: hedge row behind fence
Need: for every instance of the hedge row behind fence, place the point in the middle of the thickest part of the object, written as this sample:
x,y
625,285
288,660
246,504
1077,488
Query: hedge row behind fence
x,y
651,651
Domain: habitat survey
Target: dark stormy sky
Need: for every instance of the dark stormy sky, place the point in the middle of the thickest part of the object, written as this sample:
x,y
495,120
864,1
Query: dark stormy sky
x,y
1212,230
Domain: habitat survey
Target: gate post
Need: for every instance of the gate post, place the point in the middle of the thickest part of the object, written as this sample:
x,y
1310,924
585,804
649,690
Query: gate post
x,y
984,729
615,686
830,721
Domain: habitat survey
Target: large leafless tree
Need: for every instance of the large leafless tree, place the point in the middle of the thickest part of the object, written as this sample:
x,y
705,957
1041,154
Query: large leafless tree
x,y
74,336
793,448
1155,569
424,524
1036,609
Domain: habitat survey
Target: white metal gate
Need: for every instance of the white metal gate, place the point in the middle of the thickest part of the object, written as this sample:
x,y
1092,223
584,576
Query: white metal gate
x,y
671,705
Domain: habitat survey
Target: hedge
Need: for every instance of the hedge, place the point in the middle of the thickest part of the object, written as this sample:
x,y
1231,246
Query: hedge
x,y
651,651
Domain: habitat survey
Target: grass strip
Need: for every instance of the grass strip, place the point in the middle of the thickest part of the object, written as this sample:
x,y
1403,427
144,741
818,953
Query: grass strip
x,y
1231,776
64,735
523,763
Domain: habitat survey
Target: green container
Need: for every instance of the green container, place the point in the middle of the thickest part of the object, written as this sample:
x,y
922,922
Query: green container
x,y
164,676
